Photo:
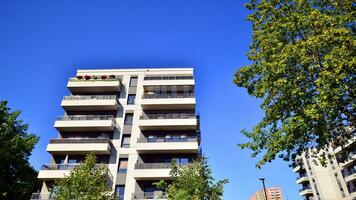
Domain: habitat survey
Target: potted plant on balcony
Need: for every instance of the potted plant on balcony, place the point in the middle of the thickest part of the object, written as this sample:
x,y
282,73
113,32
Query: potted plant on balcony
x,y
94,77
79,77
112,77
87,77
104,77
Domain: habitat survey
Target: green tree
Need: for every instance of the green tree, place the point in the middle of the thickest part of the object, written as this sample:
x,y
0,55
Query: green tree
x,y
303,68
17,178
88,181
192,182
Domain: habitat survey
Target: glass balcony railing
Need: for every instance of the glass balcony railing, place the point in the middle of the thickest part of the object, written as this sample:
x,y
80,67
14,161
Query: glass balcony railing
x,y
168,116
89,97
159,96
41,196
156,165
180,77
304,188
85,117
164,139
78,140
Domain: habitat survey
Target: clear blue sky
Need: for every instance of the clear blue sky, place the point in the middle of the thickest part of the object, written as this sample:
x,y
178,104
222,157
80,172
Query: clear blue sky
x,y
44,42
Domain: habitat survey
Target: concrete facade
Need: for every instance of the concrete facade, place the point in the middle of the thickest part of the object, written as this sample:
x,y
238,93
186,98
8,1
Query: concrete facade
x,y
335,181
136,120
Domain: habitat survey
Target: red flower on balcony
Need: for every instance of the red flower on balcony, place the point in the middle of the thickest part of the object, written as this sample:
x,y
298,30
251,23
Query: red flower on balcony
x,y
104,77
112,76
87,77
79,77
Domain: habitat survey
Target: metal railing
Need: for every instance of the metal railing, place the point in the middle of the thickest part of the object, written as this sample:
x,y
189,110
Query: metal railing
x,y
89,97
178,77
301,176
65,166
163,139
156,165
79,140
150,195
158,96
168,116
95,79
85,117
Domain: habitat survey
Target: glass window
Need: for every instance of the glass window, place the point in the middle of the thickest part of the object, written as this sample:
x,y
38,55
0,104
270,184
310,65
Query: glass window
x,y
126,141
152,138
185,90
164,90
120,192
123,162
72,161
183,161
174,90
131,99
133,81
128,119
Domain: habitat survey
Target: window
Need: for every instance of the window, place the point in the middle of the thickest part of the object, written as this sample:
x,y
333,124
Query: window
x,y
123,162
125,141
131,99
174,90
120,192
152,138
133,81
185,90
128,119
164,90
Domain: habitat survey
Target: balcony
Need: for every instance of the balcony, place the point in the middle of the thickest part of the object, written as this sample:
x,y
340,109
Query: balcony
x,y
85,123
168,121
169,80
55,171
153,171
168,101
305,191
302,179
157,195
90,103
94,85
296,168
165,145
79,146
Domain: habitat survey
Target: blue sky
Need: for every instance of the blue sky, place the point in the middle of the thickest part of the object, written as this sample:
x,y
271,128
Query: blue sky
x,y
43,42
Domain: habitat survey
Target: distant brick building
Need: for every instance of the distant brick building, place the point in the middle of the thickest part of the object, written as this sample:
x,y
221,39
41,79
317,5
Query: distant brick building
x,y
273,193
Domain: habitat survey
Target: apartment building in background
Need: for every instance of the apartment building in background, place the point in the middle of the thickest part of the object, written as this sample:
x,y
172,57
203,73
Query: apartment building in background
x,y
273,193
335,181
136,121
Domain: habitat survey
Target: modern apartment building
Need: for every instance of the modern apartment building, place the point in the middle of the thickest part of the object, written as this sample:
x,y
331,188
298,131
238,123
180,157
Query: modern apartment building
x,y
335,181
136,121
273,193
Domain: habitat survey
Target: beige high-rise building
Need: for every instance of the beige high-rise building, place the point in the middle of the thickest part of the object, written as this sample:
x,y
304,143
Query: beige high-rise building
x,y
336,181
273,193
136,121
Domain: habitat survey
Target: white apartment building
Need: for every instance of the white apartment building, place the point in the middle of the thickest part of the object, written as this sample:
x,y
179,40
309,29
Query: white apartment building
x,y
135,120
336,181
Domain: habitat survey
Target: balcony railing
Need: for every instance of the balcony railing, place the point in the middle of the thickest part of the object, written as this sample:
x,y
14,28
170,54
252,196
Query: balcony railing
x,y
85,117
168,116
41,196
150,195
159,96
95,79
89,97
156,165
163,139
305,188
181,77
301,176
79,140
65,166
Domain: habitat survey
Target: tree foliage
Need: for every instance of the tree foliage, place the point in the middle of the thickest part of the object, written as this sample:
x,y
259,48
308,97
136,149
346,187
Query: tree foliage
x,y
193,182
88,181
303,67
17,178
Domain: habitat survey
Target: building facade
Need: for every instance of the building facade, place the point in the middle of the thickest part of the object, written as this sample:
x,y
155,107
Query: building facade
x,y
335,181
136,121
273,193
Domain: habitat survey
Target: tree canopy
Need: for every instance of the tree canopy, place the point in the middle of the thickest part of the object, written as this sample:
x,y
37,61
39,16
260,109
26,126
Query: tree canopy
x,y
88,181
303,68
17,178
193,182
